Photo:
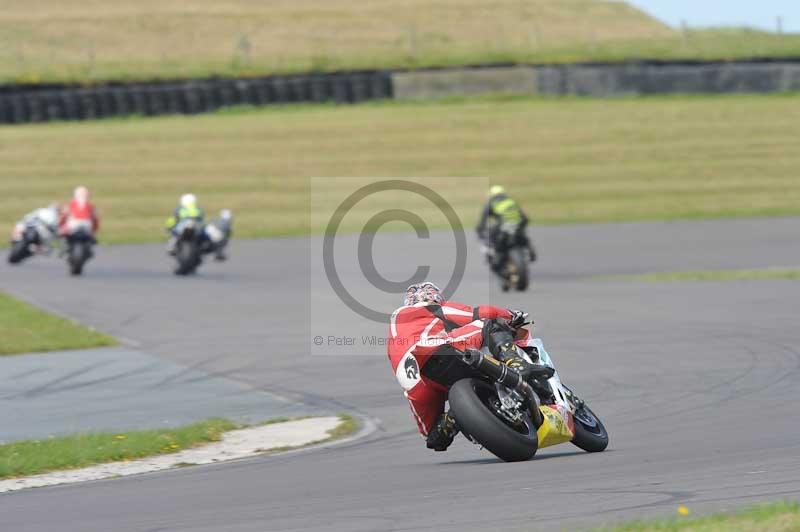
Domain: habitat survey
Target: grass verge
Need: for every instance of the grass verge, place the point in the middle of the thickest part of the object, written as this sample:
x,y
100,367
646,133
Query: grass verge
x,y
26,329
565,160
716,275
775,517
26,458
71,452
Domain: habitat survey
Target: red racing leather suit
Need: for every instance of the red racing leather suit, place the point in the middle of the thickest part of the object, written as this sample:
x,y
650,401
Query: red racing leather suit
x,y
415,335
78,214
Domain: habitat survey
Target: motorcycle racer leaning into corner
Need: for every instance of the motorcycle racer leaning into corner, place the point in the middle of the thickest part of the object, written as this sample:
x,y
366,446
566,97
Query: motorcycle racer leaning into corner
x,y
508,225
187,209
427,334
79,214
45,221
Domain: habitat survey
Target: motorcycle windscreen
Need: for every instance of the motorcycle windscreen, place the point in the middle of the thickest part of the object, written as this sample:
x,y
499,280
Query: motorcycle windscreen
x,y
556,428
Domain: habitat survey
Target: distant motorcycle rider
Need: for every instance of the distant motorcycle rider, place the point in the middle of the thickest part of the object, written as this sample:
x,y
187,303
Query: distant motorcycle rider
x,y
503,223
45,221
79,214
425,336
187,209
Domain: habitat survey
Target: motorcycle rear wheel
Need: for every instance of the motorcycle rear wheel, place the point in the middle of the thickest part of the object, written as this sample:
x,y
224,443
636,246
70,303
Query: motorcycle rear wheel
x,y
470,404
188,257
77,258
519,257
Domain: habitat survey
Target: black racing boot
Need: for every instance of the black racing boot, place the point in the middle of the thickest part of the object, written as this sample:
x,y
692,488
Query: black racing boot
x,y
442,435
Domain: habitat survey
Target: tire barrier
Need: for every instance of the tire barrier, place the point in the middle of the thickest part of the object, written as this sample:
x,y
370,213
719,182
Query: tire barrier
x,y
20,104
25,104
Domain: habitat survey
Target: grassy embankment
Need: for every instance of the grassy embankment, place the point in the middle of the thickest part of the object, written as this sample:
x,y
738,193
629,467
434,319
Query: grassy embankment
x,y
47,40
566,160
33,457
25,329
776,517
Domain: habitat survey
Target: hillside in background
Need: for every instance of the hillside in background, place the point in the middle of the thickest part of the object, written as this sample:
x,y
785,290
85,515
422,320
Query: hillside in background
x,y
111,39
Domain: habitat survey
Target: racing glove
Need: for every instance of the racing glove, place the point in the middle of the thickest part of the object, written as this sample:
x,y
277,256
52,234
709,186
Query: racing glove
x,y
518,318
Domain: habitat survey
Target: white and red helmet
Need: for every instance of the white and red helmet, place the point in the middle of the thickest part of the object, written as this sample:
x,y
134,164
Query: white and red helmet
x,y
81,194
426,292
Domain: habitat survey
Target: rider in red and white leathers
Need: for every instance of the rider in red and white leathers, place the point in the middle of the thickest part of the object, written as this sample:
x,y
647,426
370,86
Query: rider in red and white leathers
x,y
79,214
424,334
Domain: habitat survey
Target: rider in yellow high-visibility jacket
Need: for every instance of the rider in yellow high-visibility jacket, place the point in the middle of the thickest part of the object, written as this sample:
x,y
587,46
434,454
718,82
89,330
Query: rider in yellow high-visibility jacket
x,y
187,210
508,225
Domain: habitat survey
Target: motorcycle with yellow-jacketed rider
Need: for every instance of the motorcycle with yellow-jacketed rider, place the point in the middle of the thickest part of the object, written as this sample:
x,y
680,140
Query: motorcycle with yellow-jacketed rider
x,y
504,240
501,385
191,236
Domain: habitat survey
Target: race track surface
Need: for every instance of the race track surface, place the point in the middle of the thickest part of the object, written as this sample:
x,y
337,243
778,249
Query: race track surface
x,y
117,388
696,383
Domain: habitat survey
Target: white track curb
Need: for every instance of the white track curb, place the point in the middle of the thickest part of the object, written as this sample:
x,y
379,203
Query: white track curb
x,y
235,444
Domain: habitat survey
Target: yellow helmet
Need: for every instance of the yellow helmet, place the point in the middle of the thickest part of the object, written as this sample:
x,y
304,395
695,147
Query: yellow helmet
x,y
495,190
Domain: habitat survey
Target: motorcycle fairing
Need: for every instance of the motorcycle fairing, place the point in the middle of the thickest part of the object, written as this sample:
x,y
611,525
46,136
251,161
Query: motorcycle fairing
x,y
557,426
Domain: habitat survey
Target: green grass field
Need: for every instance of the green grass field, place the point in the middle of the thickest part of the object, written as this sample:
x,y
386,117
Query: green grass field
x,y
775,517
718,275
566,160
46,40
33,457
25,329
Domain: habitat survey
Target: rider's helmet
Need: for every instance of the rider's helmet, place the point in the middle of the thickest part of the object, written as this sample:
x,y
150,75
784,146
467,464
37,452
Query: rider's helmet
x,y
496,190
225,214
426,292
81,194
188,200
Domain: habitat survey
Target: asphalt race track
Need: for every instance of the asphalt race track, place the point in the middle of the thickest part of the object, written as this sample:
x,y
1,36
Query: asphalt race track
x,y
696,383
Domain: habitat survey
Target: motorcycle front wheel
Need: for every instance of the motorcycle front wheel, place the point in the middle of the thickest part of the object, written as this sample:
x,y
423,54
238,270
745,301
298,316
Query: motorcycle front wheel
x,y
18,252
590,434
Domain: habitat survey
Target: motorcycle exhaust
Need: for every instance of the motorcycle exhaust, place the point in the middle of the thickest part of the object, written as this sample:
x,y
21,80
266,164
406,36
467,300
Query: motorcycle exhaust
x,y
494,369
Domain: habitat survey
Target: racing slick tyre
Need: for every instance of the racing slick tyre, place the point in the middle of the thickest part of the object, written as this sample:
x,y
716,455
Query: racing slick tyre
x,y
519,259
188,257
590,434
77,258
474,405
18,252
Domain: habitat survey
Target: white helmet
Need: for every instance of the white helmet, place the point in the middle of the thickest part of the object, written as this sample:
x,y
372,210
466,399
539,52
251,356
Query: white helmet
x,y
188,200
49,215
426,292
225,214
81,194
